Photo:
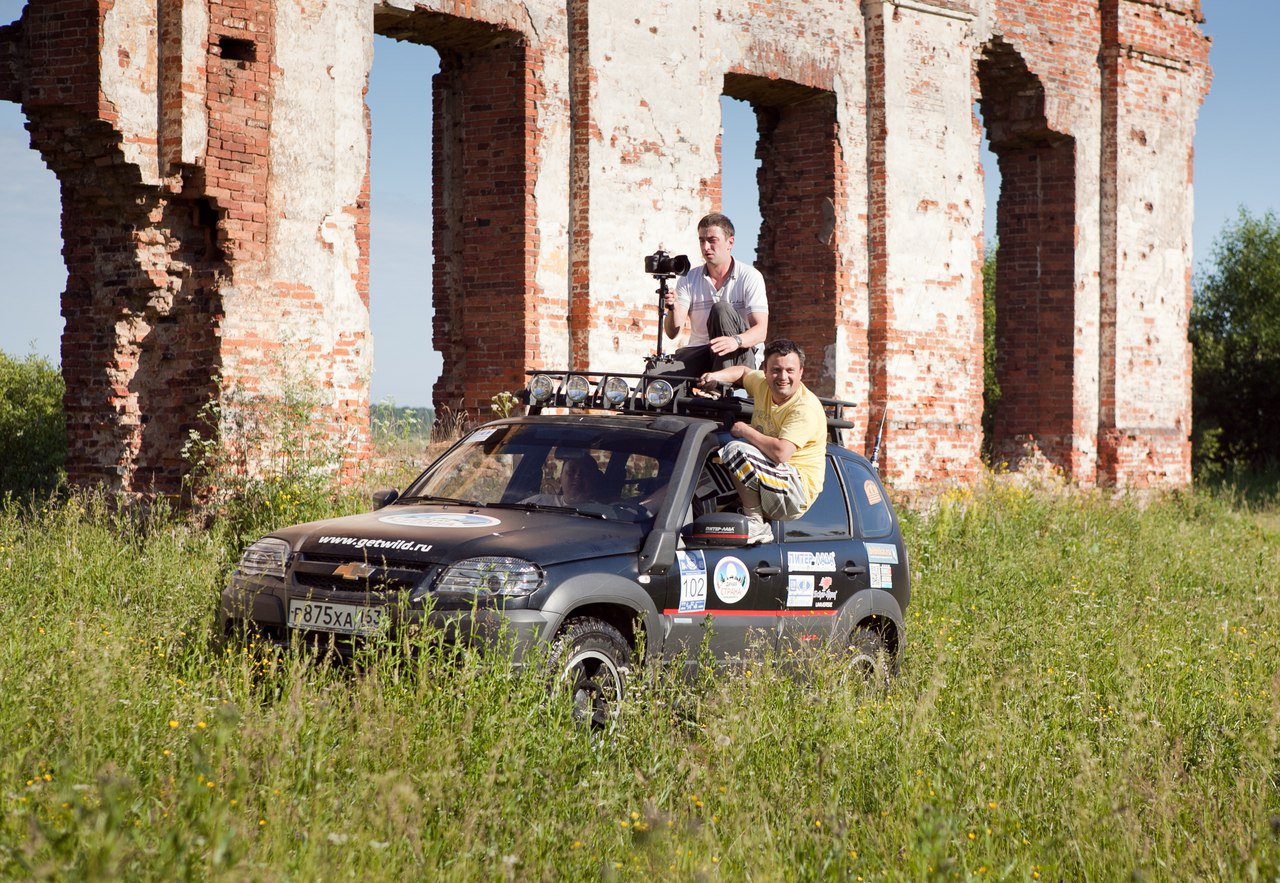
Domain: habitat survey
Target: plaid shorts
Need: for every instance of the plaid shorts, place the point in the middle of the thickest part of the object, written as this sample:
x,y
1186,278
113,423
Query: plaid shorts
x,y
782,493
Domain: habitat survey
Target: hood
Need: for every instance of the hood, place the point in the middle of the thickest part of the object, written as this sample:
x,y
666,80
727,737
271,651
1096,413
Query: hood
x,y
436,534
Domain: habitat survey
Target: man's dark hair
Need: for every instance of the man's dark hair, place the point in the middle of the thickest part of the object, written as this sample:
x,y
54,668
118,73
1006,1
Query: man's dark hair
x,y
783,347
715,219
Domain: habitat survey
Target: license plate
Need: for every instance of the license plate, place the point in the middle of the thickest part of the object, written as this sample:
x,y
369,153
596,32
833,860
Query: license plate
x,y
346,619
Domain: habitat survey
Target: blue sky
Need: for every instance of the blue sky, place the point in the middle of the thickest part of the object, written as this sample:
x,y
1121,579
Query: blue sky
x,y
1236,144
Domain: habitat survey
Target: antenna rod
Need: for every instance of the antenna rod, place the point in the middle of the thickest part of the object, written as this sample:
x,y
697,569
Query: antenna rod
x,y
875,452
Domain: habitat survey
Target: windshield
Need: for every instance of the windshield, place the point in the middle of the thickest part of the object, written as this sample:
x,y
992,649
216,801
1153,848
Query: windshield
x,y
618,473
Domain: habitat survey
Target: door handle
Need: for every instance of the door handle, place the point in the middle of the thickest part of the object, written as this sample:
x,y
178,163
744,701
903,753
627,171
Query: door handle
x,y
763,569
852,569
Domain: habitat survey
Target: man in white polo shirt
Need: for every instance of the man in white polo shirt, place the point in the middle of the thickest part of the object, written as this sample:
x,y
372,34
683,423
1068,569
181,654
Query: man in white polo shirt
x,y
724,302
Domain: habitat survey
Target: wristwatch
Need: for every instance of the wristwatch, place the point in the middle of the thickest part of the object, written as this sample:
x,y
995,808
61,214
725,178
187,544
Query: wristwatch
x,y
737,338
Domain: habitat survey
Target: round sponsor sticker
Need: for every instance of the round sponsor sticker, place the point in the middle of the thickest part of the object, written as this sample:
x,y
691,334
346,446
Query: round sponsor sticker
x,y
732,580
441,519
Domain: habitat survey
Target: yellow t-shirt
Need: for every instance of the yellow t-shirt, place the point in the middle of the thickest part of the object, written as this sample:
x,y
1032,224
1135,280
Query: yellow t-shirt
x,y
800,420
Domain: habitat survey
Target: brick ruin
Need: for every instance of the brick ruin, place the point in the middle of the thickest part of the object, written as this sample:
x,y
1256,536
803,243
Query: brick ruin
x,y
213,159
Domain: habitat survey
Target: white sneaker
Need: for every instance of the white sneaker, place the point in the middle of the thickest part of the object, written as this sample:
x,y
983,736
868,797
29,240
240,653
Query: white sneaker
x,y
758,530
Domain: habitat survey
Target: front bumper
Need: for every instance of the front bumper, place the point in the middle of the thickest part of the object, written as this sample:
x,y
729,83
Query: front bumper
x,y
260,607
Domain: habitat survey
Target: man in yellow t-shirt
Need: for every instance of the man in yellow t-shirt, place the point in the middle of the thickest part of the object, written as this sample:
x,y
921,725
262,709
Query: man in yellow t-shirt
x,y
776,460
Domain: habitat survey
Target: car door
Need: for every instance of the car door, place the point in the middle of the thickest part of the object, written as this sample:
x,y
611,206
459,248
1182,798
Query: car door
x,y
728,596
823,565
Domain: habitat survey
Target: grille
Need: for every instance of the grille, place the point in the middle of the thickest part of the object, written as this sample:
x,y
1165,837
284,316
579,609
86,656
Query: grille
x,y
318,572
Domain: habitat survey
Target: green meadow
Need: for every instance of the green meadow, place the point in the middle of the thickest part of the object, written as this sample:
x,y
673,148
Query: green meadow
x,y
1089,691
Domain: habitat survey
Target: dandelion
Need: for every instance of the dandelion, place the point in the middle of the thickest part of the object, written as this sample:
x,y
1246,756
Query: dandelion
x,y
972,836
261,822
201,724
993,805
173,725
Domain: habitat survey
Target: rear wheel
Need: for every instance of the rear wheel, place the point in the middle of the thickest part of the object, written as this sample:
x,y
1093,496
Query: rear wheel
x,y
590,663
869,659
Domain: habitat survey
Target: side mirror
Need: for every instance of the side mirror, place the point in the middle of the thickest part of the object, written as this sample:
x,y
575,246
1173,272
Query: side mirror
x,y
718,529
385,497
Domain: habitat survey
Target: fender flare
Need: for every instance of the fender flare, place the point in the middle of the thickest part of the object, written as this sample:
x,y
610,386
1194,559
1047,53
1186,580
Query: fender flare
x,y
864,604
595,590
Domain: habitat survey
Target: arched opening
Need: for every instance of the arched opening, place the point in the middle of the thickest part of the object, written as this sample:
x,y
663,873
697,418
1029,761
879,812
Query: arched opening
x,y
800,179
739,175
30,244
1035,270
406,363
484,235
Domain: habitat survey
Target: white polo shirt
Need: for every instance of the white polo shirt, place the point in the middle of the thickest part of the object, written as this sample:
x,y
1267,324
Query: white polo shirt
x,y
744,288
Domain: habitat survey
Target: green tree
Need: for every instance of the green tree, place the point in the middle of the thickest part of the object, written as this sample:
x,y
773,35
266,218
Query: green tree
x,y
1235,337
33,427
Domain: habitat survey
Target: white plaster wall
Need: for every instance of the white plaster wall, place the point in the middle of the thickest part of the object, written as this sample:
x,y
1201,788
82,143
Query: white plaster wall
x,y
319,153
130,78
1153,217
547,24
933,224
655,103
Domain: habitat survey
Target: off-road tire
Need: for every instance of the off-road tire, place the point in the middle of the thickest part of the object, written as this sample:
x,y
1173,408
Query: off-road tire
x,y
590,663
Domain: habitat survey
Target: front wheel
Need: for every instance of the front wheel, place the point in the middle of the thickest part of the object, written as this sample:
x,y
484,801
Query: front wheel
x,y
590,662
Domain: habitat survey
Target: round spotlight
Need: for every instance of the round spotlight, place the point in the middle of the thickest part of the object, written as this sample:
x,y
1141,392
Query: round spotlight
x,y
541,389
576,389
616,392
658,394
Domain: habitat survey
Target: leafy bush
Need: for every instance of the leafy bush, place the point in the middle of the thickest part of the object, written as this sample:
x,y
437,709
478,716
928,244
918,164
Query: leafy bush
x,y
1235,335
263,461
33,427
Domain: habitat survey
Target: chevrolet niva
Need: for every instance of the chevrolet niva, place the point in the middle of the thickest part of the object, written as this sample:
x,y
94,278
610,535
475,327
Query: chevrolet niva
x,y
612,533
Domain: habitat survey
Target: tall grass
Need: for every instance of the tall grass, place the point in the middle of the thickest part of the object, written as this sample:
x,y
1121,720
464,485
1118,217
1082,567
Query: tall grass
x,y
1089,690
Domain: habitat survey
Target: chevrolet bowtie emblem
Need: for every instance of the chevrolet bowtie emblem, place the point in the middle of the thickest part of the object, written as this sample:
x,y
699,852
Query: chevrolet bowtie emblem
x,y
354,570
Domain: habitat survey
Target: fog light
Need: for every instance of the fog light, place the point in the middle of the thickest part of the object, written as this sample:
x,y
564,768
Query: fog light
x,y
576,389
658,394
541,389
616,391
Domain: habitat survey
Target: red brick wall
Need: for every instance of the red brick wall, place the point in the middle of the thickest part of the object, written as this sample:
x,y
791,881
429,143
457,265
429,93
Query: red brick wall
x,y
1035,300
486,242
800,167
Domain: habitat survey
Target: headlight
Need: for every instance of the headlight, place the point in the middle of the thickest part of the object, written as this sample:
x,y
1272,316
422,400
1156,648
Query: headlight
x,y
658,393
266,557
491,575
576,389
541,388
616,391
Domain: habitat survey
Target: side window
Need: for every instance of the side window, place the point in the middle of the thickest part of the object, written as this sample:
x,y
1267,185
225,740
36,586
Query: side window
x,y
827,517
868,499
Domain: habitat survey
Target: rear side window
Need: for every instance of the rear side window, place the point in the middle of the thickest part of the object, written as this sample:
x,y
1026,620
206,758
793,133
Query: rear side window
x,y
827,517
868,498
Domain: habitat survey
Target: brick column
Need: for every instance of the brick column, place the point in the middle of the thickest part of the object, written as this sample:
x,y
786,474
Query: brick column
x,y
485,161
800,178
1155,75
924,237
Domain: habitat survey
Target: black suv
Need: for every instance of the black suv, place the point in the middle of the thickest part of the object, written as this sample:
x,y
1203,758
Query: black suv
x,y
657,558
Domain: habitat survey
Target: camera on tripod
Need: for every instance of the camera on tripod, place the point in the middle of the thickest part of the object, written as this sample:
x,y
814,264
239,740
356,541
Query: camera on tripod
x,y
661,265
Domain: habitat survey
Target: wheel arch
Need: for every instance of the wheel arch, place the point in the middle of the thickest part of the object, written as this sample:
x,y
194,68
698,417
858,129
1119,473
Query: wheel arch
x,y
613,600
874,609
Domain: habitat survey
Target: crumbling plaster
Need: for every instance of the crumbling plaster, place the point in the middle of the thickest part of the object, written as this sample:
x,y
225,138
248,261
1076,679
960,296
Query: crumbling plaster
x,y
265,160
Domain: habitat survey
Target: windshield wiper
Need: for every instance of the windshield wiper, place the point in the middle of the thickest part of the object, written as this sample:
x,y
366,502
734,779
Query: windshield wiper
x,y
548,507
431,498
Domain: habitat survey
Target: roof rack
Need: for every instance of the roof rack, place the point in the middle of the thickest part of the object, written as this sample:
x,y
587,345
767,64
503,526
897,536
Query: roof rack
x,y
623,393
